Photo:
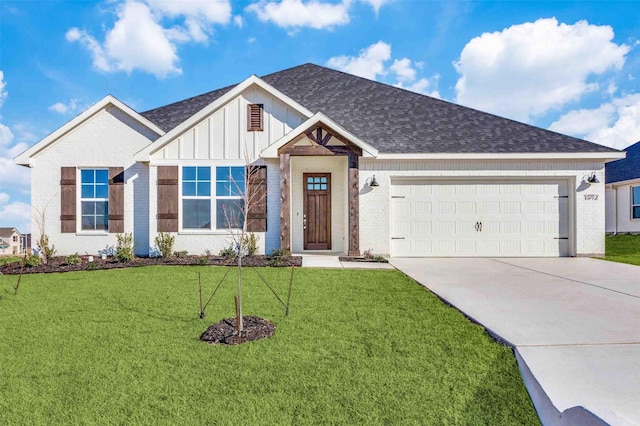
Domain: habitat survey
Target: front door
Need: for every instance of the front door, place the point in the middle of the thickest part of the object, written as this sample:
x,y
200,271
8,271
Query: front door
x,y
317,211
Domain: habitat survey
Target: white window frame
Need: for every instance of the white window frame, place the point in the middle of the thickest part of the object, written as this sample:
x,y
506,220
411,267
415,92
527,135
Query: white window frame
x,y
209,197
634,203
81,199
227,197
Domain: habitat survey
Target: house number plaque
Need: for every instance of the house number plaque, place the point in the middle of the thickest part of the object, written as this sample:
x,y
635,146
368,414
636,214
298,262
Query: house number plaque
x,y
591,197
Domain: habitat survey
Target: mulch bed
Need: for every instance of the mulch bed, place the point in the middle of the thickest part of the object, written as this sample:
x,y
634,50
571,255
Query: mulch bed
x,y
57,264
225,332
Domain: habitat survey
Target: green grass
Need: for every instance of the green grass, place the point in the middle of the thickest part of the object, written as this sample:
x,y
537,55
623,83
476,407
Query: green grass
x,y
623,248
9,259
359,347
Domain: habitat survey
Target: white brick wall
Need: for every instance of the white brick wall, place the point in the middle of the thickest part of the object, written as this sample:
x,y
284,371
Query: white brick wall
x,y
108,139
588,216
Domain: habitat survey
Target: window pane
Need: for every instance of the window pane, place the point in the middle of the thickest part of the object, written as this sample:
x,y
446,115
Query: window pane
x,y
229,213
237,175
323,186
222,189
323,179
309,180
88,207
316,179
636,195
87,191
87,176
188,173
204,173
102,221
237,189
102,176
204,189
222,173
316,186
636,212
189,188
88,222
310,186
102,191
196,214
101,208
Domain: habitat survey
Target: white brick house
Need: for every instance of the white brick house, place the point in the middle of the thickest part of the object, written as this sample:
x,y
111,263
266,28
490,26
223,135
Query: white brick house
x,y
347,164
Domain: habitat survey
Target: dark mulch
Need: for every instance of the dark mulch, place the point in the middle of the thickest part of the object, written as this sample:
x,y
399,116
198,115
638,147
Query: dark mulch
x,y
362,259
225,332
57,264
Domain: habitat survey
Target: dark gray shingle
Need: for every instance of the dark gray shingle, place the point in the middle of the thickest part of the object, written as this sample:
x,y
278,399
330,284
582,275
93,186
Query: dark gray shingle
x,y
394,120
625,169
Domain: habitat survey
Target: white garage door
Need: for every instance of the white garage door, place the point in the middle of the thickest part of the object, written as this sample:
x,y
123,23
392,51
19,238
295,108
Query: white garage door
x,y
488,218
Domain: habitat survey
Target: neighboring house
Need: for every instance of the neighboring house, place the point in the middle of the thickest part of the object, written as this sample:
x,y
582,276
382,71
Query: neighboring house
x,y
623,193
10,241
349,165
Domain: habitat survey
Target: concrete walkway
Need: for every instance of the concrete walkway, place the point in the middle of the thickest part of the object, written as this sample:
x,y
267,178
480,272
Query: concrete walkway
x,y
321,260
574,324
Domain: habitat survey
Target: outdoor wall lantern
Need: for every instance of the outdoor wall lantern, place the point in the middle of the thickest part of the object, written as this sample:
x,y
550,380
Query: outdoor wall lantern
x,y
371,182
590,178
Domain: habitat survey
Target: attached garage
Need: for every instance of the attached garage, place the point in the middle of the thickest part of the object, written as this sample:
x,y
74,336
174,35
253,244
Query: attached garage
x,y
476,218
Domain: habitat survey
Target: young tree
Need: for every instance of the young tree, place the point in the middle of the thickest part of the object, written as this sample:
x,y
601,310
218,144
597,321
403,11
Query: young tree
x,y
39,215
244,216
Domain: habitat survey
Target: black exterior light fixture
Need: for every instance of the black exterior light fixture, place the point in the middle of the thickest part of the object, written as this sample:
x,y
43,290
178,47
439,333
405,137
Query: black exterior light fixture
x,y
592,178
372,182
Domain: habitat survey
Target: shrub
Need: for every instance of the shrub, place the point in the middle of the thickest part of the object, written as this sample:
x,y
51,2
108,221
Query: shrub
x,y
31,260
250,243
202,260
47,250
228,253
367,254
165,241
182,254
124,248
73,259
92,266
277,257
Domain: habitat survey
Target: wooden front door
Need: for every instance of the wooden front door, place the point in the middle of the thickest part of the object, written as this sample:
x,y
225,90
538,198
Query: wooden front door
x,y
317,211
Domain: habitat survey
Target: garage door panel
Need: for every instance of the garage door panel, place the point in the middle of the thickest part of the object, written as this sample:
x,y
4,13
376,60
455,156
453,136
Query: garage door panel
x,y
480,219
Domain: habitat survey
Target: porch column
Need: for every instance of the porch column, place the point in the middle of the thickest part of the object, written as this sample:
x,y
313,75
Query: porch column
x,y
285,203
354,206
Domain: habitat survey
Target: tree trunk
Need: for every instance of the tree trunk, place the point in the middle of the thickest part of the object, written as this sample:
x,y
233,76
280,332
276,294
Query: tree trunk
x,y
241,322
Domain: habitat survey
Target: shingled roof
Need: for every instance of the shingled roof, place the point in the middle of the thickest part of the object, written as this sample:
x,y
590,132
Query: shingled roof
x,y
625,169
394,120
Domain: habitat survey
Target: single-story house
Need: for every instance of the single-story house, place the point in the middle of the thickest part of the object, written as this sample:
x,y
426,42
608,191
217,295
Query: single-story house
x,y
10,241
622,193
347,164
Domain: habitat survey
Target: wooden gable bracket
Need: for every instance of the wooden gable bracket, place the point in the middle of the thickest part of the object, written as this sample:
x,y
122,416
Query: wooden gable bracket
x,y
320,146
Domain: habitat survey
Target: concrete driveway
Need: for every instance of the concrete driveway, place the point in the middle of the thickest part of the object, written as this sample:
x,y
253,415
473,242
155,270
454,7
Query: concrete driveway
x,y
574,324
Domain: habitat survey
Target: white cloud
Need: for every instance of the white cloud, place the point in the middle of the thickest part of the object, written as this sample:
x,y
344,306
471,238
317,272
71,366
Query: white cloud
x,y
62,108
238,21
615,124
368,64
294,14
371,63
375,4
146,34
531,68
16,214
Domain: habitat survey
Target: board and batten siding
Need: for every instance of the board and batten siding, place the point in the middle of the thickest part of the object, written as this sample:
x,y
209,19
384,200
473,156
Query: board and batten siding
x,y
586,217
109,139
222,139
223,135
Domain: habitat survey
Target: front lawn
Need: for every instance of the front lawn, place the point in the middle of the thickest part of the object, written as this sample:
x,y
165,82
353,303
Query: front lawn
x,y
9,259
359,347
623,248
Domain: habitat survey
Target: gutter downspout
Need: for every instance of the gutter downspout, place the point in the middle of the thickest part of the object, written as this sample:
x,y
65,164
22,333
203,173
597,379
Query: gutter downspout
x,y
615,209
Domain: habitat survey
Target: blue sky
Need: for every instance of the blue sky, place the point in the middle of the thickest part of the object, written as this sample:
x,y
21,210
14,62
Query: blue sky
x,y
572,67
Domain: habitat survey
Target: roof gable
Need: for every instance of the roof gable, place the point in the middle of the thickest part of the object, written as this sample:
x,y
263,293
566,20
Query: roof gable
x,y
318,119
24,159
219,102
625,169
